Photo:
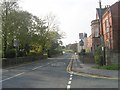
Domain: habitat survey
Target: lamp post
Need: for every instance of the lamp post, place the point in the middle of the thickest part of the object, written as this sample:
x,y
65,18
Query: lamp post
x,y
16,46
81,44
102,35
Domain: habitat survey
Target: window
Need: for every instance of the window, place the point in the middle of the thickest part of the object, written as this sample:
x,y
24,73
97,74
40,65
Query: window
x,y
96,32
107,27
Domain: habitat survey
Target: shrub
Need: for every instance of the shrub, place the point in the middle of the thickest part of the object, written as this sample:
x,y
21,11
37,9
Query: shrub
x,y
54,52
97,59
98,56
11,53
21,53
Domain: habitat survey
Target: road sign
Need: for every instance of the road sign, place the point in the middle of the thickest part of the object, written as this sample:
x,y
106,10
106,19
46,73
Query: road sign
x,y
81,43
80,35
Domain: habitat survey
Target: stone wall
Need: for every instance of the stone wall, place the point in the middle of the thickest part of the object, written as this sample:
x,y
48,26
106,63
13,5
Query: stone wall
x,y
112,57
6,62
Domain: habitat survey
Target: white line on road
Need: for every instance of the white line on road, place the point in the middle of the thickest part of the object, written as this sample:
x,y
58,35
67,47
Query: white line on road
x,y
68,87
70,78
37,67
12,76
40,66
69,82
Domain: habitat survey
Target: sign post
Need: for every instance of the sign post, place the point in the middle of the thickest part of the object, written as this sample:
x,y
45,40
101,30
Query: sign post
x,y
81,43
16,45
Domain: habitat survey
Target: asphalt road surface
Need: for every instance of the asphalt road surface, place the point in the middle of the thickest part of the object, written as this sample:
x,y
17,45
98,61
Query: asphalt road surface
x,y
50,73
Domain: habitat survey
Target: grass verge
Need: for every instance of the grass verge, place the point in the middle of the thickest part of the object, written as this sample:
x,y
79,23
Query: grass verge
x,y
108,67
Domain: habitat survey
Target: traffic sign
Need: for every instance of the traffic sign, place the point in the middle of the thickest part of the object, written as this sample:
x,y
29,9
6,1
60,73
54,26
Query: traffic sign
x,y
80,35
81,43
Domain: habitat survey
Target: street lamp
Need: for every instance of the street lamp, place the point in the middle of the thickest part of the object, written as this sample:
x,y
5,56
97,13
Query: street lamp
x,y
15,44
102,36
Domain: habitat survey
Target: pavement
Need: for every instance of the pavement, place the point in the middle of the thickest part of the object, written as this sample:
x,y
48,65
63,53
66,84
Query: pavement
x,y
87,70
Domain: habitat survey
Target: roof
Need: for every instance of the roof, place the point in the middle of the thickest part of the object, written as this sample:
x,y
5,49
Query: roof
x,y
102,11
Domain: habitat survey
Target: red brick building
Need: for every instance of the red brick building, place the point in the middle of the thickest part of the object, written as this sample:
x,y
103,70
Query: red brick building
x,y
111,26
111,32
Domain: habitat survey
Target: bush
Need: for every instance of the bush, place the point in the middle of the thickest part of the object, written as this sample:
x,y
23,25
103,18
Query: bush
x,y
34,54
54,52
83,51
21,53
97,59
11,53
98,56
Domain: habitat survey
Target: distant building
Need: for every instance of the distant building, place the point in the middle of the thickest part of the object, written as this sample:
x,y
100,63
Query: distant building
x,y
89,44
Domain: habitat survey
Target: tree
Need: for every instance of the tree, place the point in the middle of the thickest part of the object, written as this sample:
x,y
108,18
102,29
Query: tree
x,y
30,32
7,7
23,30
40,33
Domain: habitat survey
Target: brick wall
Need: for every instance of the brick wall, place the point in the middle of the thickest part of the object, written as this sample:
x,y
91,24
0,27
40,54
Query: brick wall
x,y
116,26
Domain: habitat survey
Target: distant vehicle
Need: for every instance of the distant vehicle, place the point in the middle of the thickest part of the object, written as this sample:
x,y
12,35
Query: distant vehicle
x,y
75,53
63,52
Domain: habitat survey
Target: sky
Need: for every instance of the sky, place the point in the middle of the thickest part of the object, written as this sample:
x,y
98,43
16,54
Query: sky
x,y
75,16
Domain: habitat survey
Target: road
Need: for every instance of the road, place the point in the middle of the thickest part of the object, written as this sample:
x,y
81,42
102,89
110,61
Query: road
x,y
50,73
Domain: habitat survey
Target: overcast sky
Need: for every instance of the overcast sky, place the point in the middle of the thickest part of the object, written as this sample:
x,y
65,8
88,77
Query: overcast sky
x,y
75,16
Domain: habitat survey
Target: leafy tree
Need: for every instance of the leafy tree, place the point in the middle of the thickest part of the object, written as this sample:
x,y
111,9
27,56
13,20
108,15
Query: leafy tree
x,y
7,7
30,32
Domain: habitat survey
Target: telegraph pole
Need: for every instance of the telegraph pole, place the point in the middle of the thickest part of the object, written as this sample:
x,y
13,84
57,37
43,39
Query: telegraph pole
x,y
102,35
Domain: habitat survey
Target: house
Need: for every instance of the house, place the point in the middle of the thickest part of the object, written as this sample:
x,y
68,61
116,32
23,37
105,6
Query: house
x,y
95,30
111,32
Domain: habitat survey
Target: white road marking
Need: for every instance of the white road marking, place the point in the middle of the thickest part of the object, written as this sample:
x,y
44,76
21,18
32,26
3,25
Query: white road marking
x,y
70,78
68,86
69,82
12,76
22,65
37,67
40,66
